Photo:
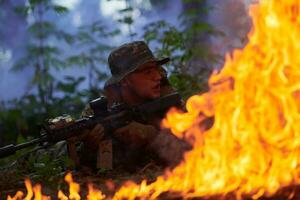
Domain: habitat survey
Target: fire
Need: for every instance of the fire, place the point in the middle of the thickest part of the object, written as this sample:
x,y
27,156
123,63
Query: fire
x,y
74,188
253,147
35,192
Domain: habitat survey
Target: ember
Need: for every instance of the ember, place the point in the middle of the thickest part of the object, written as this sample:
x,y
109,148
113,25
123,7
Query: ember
x,y
253,147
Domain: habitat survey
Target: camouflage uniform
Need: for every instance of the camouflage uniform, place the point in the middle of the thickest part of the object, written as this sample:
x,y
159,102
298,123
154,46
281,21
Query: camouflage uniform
x,y
141,140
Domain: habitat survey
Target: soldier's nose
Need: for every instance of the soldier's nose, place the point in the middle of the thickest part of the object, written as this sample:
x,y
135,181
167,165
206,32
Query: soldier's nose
x,y
157,75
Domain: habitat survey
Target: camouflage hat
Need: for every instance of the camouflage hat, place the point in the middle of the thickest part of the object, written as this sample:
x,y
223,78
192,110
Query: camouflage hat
x,y
127,58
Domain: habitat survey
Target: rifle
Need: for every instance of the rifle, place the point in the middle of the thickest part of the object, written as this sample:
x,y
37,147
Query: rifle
x,y
112,119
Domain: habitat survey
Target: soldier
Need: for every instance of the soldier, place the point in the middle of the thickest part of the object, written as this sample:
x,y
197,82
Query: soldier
x,y
137,76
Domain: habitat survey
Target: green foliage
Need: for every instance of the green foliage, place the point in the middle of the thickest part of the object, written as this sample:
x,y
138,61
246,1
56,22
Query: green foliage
x,y
186,84
8,121
127,18
59,9
42,57
47,168
190,57
43,166
46,96
22,10
92,42
172,43
69,87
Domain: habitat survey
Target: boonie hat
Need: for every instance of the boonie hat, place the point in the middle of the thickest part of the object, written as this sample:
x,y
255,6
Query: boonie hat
x,y
127,58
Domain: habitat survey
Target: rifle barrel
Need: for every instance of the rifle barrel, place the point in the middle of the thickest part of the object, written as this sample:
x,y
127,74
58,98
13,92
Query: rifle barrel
x,y
11,148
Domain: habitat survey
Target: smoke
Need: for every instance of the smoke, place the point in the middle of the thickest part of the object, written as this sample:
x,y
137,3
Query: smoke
x,y
12,46
230,17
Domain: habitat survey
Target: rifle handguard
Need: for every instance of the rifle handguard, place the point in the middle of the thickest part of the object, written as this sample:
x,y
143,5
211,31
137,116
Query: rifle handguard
x,y
7,150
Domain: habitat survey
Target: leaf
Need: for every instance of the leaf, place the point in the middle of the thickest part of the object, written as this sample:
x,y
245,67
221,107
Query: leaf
x,y
194,1
58,64
70,85
35,2
68,162
100,48
68,38
97,27
42,30
114,33
125,10
150,36
43,50
80,60
67,88
128,20
23,63
22,10
39,26
85,37
60,9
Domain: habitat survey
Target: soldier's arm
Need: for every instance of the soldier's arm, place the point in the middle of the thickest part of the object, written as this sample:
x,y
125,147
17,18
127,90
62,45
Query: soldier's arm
x,y
136,134
93,136
168,148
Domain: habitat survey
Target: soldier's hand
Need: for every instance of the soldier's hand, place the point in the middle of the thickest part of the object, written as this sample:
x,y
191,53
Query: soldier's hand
x,y
136,134
60,121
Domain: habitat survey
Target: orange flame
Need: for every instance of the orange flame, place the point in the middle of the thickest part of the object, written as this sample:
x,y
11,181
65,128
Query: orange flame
x,y
35,192
253,147
74,188
94,194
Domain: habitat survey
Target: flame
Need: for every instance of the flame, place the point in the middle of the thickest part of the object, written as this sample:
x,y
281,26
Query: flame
x,y
253,147
35,192
74,188
94,194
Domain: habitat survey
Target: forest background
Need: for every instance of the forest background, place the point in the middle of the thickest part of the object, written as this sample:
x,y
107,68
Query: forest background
x,y
53,61
53,54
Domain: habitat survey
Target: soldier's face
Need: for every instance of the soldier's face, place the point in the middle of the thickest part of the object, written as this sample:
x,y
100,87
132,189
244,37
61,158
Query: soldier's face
x,y
145,81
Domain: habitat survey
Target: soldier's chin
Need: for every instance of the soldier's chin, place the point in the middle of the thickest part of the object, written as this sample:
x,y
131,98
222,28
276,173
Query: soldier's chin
x,y
155,95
